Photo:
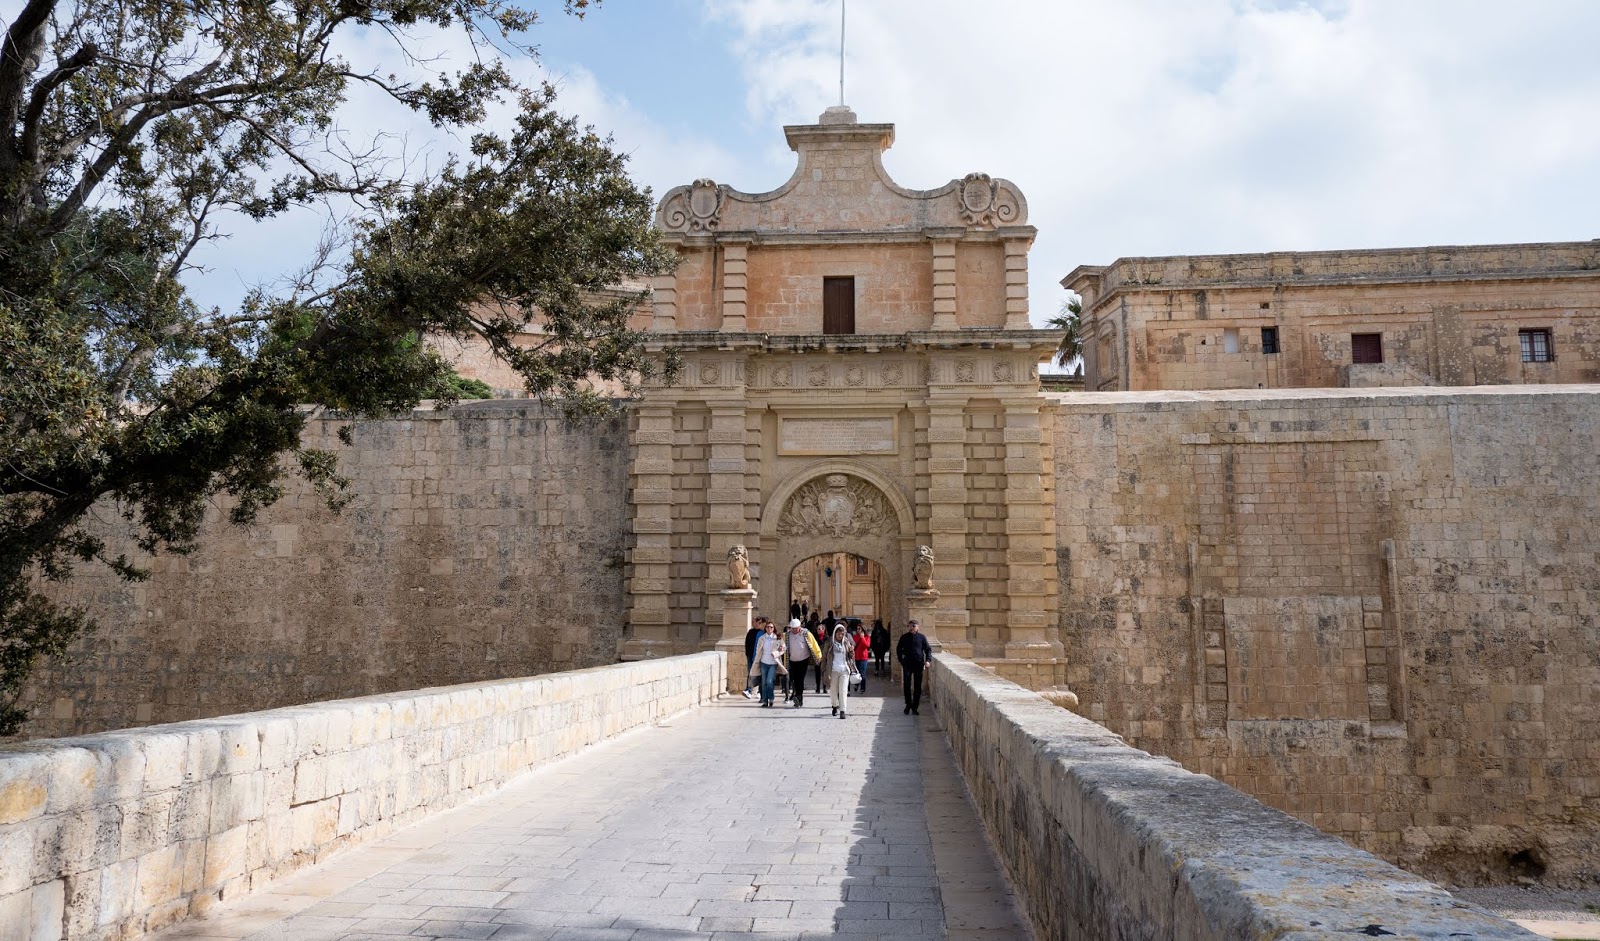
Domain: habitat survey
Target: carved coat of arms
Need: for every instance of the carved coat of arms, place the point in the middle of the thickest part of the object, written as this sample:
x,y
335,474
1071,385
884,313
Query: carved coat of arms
x,y
837,505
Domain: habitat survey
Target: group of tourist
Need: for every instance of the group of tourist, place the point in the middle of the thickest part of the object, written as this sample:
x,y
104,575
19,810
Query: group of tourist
x,y
839,650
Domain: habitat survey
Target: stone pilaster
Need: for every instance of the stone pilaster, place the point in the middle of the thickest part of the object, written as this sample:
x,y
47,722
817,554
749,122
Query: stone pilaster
x,y
1031,615
1017,240
737,604
735,264
947,519
649,607
664,304
725,496
944,279
922,606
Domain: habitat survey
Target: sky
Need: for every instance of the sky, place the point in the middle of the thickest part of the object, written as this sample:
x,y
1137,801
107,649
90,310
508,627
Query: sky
x,y
1132,127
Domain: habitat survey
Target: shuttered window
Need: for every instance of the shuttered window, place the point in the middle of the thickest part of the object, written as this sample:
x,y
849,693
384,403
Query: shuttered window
x,y
1269,339
838,305
1366,347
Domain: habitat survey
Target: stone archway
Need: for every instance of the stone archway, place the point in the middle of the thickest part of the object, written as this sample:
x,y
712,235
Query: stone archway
x,y
839,506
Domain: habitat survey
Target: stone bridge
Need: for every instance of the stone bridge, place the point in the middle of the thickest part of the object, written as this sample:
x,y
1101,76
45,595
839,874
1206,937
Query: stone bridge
x,y
639,802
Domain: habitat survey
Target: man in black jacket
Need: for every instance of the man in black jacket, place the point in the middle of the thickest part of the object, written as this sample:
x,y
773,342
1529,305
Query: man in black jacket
x,y
913,653
757,628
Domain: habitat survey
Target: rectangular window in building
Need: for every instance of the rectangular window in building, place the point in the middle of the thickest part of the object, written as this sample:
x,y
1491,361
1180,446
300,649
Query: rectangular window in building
x,y
838,305
1269,340
1366,347
1230,340
1536,346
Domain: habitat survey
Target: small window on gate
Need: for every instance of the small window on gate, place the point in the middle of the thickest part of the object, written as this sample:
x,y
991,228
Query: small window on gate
x,y
1366,347
1536,346
1269,340
838,305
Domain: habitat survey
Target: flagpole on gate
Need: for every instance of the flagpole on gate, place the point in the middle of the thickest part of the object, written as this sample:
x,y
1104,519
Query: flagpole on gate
x,y
841,51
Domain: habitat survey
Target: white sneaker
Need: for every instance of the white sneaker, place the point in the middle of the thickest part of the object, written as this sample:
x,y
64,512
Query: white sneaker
x,y
747,694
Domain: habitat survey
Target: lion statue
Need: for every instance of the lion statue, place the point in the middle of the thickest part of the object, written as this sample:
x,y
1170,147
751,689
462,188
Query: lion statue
x,y
738,568
922,569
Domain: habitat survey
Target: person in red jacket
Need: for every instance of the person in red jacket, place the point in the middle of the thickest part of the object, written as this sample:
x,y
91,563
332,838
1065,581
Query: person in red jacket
x,y
863,644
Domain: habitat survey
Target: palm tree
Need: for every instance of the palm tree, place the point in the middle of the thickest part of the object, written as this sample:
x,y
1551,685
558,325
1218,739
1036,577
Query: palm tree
x,y
1070,320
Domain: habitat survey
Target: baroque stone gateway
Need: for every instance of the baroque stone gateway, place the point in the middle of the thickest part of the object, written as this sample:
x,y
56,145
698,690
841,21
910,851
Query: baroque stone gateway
x,y
1374,608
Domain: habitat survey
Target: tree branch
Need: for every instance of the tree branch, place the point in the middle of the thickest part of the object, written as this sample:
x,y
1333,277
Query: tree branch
x,y
21,43
37,102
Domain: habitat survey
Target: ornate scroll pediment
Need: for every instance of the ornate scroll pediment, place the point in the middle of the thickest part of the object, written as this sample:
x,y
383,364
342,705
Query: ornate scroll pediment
x,y
692,208
986,201
838,505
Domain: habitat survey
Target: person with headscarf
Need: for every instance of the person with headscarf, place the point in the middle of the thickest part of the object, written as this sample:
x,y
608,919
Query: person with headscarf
x,y
839,659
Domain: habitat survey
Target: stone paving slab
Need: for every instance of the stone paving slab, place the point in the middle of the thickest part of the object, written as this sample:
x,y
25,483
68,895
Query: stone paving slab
x,y
728,822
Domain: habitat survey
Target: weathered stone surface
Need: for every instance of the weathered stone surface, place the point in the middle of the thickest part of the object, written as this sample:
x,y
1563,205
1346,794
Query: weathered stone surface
x,y
222,814
485,541
1370,609
1447,315
1103,841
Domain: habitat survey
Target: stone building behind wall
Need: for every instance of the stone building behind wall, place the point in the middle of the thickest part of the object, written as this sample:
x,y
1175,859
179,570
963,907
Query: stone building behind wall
x,y
860,376
1455,316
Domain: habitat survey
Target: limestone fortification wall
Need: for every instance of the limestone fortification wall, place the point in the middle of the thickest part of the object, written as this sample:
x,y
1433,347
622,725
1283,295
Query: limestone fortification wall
x,y
1378,610
485,541
1103,841
113,835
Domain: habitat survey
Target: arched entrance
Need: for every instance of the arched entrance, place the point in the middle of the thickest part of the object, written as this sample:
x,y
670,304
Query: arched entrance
x,y
839,509
849,585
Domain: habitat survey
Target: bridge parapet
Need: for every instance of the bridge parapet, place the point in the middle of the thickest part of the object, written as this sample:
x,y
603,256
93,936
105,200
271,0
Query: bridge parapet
x,y
113,835
1103,841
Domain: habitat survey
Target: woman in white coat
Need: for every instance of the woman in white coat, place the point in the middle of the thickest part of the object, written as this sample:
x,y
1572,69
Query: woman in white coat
x,y
839,659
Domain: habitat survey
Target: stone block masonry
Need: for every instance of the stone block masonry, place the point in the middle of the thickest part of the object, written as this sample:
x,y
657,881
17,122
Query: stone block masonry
x,y
1377,610
113,835
1103,841
485,541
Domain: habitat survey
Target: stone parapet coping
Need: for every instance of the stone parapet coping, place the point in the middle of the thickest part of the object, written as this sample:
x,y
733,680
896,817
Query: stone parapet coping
x,y
1387,396
117,834
1104,841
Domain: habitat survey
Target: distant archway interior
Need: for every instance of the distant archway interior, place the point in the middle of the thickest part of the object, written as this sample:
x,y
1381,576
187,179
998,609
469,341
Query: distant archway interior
x,y
849,585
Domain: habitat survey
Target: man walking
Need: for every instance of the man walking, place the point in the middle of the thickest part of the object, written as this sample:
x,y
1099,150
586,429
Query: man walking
x,y
757,628
801,657
913,653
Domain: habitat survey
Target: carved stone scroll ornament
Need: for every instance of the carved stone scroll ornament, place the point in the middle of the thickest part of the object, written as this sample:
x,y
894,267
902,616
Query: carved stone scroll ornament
x,y
838,505
738,568
922,569
692,208
985,201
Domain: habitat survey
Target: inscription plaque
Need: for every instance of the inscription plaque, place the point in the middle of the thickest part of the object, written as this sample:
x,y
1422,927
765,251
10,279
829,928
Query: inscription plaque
x,y
837,436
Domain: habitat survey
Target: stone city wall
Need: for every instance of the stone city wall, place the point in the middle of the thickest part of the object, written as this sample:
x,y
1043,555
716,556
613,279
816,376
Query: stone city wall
x,y
484,541
113,835
1378,610
1103,841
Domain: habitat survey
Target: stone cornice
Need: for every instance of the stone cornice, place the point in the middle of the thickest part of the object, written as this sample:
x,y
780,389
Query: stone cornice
x,y
1530,262
1040,341
849,236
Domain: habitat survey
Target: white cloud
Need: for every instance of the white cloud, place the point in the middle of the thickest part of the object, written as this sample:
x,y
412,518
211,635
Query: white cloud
x,y
1173,126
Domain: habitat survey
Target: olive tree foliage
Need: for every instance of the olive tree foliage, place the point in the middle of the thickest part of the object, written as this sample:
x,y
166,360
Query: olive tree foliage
x,y
129,128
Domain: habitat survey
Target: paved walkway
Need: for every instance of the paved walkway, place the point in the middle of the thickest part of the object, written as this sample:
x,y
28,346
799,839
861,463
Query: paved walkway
x,y
729,822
